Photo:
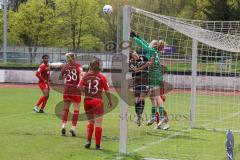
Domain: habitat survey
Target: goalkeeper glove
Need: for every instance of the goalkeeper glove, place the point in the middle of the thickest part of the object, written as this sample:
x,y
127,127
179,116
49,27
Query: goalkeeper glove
x,y
133,34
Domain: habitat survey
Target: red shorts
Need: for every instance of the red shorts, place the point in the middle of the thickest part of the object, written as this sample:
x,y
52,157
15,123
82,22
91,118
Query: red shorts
x,y
72,98
43,85
93,106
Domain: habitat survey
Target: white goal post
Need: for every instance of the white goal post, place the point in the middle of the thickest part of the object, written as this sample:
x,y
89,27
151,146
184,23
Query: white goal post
x,y
124,83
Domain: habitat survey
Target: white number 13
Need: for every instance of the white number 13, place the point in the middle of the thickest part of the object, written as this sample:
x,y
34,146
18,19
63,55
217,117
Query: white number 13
x,y
95,87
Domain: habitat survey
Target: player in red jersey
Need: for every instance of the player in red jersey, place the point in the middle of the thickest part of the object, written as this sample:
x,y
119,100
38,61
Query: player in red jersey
x,y
42,74
93,83
71,73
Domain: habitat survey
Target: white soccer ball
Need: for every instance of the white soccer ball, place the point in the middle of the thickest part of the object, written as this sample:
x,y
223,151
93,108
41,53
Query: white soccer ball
x,y
107,9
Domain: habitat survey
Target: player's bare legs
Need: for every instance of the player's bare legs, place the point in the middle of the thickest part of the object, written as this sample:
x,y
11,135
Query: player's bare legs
x,y
75,119
65,116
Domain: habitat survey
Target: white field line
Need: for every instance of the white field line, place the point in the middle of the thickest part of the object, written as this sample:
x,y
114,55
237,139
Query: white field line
x,y
222,130
159,141
221,120
16,115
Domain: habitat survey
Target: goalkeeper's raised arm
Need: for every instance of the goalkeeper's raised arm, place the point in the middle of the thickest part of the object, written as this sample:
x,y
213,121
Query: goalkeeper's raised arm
x,y
152,49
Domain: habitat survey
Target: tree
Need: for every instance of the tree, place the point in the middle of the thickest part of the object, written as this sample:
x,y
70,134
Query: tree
x,y
78,24
30,25
218,10
14,4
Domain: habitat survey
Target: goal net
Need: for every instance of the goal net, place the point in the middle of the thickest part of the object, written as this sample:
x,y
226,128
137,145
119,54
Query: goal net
x,y
202,64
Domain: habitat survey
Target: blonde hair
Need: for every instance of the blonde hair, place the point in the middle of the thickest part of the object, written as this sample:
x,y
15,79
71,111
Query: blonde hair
x,y
69,56
156,43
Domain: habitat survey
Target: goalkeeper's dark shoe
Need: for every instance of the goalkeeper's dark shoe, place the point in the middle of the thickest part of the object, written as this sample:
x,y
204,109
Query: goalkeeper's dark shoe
x,y
151,121
63,131
98,147
41,111
88,144
73,133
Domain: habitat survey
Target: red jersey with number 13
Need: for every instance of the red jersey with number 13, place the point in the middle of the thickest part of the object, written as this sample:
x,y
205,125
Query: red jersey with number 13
x,y
94,83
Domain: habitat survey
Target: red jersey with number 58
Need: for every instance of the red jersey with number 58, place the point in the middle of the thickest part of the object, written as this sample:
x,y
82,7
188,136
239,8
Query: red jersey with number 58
x,y
94,83
71,73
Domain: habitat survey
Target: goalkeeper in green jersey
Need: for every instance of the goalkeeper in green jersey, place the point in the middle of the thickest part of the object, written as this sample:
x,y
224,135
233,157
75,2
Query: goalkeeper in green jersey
x,y
155,75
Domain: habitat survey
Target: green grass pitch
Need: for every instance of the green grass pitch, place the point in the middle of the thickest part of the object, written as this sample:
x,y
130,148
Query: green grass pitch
x,y
25,135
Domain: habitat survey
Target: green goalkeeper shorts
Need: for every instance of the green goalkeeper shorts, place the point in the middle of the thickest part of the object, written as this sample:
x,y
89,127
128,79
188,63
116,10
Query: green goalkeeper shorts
x,y
155,79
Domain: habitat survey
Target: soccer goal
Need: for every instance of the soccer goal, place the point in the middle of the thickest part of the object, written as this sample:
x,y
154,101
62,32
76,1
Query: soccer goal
x,y
202,60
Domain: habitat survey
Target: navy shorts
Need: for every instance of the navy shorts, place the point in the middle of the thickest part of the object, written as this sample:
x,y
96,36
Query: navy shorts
x,y
138,89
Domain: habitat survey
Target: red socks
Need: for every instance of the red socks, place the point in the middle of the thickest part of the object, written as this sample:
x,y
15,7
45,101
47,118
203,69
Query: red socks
x,y
90,128
44,103
157,117
65,115
98,135
40,101
75,117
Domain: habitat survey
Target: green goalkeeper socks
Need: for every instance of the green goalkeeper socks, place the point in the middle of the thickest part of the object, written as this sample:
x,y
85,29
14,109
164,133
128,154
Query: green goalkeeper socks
x,y
154,110
161,112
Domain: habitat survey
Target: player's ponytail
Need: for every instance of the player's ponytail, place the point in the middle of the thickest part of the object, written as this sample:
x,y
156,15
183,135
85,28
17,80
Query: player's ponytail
x,y
95,65
69,56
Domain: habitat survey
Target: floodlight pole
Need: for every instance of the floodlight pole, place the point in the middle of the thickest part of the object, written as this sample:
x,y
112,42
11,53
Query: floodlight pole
x,y
5,30
194,83
124,83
